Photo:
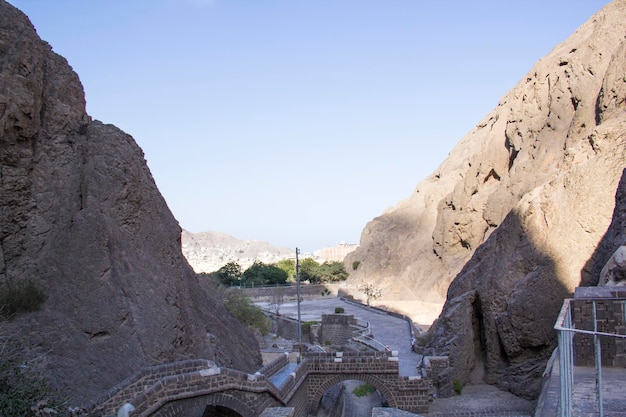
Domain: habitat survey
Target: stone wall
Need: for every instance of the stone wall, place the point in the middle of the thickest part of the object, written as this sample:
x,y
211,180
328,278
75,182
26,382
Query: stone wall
x,y
439,372
289,293
136,383
193,387
376,368
285,327
337,329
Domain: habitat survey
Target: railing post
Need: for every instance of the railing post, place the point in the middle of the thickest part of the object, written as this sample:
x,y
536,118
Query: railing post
x,y
597,348
566,374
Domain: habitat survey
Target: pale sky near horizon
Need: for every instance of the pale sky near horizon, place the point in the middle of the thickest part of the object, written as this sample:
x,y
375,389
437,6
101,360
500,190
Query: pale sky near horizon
x,y
297,122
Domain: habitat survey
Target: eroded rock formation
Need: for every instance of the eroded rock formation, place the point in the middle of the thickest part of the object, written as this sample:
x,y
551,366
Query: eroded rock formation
x,y
515,214
83,220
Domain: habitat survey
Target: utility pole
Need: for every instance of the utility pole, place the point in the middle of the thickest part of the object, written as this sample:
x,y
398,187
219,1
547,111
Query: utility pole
x,y
298,295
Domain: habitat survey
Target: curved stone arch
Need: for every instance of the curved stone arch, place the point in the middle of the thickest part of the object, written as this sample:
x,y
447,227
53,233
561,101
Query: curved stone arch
x,y
336,379
223,399
196,406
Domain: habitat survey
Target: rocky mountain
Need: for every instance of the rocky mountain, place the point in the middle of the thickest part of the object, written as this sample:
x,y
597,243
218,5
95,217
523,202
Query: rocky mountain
x,y
512,221
209,251
84,222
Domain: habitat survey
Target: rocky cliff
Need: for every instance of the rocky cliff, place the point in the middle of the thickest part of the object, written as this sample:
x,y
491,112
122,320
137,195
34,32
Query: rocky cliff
x,y
515,214
84,221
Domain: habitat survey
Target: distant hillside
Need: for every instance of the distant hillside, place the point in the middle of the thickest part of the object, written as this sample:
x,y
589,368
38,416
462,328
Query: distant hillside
x,y
209,251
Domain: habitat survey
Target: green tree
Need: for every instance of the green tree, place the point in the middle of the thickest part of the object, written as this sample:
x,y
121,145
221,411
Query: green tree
x,y
229,274
260,273
245,311
308,270
331,272
289,266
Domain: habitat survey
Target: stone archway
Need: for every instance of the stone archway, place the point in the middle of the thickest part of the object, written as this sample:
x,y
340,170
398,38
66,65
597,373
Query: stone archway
x,y
219,411
230,402
330,381
217,404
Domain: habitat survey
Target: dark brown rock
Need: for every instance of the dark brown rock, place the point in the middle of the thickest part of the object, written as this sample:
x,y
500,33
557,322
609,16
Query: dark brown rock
x,y
83,219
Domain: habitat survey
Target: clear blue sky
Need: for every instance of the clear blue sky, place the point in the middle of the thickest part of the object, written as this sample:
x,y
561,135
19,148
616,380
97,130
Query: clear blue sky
x,y
291,121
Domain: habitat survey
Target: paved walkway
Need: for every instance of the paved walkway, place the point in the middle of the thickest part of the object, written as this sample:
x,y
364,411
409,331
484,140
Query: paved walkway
x,y
481,400
584,403
386,329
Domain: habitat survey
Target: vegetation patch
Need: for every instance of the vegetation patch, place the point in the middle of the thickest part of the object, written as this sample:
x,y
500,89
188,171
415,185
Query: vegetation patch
x,y
457,386
247,313
364,390
423,339
21,297
306,326
339,310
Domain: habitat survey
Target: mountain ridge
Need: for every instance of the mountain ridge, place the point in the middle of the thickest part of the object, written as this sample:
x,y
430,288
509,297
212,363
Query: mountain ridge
x,y
208,251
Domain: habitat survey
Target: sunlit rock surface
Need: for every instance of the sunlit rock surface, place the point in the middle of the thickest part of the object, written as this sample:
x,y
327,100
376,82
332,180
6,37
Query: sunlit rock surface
x,y
515,214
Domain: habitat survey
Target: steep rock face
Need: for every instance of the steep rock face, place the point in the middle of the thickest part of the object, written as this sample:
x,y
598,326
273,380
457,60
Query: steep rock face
x,y
613,244
515,213
83,219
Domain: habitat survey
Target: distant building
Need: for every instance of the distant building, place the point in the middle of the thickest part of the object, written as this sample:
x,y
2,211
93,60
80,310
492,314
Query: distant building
x,y
337,253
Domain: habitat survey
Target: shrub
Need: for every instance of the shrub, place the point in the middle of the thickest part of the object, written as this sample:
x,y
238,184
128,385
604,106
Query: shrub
x,y
423,339
306,326
457,386
247,313
21,297
355,265
339,310
364,390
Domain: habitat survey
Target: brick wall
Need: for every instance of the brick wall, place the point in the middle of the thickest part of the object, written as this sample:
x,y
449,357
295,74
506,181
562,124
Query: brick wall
x,y
136,383
337,329
182,388
610,318
289,293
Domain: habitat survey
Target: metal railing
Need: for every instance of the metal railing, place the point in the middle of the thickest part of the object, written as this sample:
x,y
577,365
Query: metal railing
x,y
567,330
